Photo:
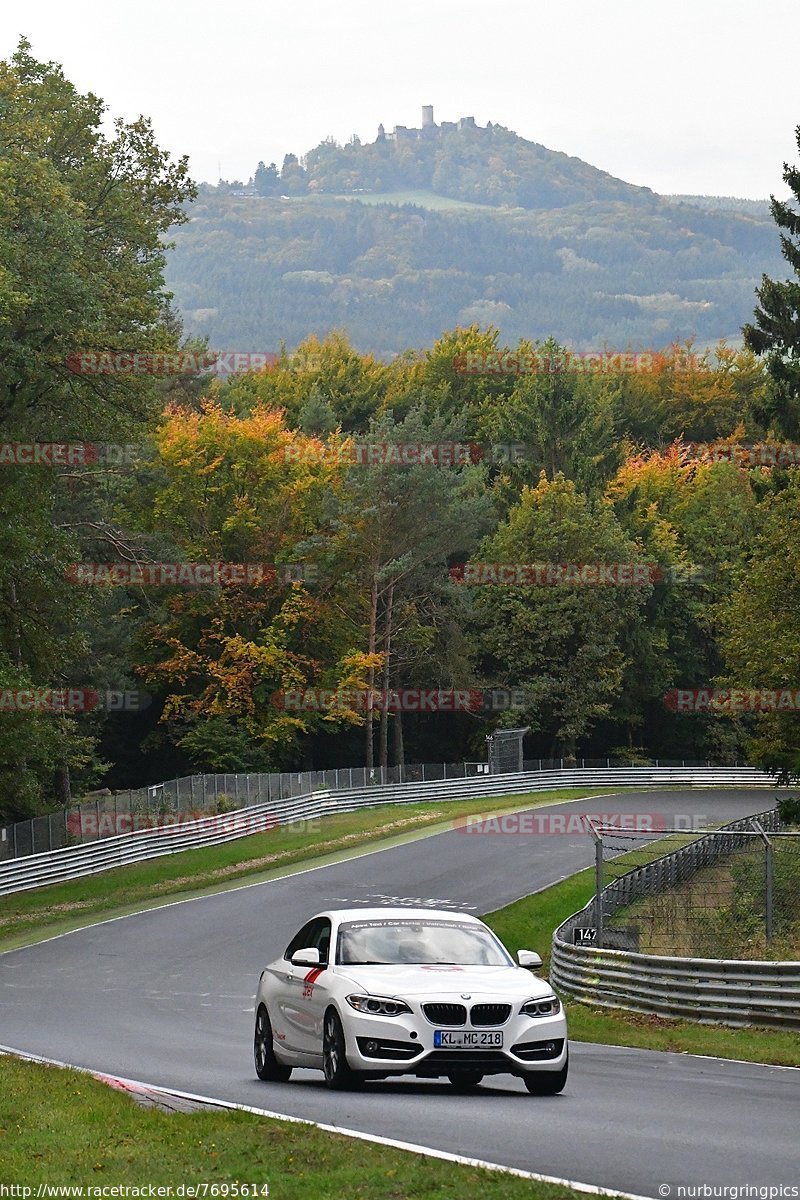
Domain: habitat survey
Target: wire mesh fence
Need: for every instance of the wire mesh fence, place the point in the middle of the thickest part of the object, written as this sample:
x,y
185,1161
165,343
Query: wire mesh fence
x,y
109,813
184,799
729,893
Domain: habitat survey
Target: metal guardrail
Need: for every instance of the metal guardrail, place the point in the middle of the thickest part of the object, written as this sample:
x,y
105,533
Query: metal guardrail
x,y
73,862
726,991
107,813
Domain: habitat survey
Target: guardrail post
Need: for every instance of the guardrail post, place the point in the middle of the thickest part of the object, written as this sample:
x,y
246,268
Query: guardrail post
x,y
598,886
598,882
769,885
768,880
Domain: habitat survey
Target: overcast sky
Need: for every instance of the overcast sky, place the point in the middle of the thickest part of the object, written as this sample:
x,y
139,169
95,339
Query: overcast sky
x,y
698,96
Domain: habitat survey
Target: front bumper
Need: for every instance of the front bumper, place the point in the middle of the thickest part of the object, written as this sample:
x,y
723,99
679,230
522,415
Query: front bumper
x,y
405,1046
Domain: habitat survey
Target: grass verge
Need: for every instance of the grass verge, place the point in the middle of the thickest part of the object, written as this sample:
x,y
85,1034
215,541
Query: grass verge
x,y
29,916
529,924
64,1127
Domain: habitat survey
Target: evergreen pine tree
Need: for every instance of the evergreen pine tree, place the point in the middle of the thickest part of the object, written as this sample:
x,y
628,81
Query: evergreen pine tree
x,y
776,332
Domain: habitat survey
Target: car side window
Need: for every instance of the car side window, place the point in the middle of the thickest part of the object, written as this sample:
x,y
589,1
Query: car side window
x,y
315,934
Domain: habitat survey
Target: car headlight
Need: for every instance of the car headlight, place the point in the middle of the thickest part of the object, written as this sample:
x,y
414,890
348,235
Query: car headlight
x,y
378,1006
550,1006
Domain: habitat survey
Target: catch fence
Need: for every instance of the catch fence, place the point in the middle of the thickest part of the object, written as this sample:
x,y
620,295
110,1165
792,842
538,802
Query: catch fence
x,y
709,929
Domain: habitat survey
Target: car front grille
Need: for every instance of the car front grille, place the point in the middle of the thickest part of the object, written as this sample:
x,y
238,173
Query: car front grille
x,y
490,1014
446,1014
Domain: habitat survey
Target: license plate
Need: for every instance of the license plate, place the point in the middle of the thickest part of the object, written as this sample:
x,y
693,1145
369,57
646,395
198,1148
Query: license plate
x,y
467,1039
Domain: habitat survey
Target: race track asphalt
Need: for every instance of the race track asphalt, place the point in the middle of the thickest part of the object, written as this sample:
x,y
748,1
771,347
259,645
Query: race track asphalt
x,y
165,996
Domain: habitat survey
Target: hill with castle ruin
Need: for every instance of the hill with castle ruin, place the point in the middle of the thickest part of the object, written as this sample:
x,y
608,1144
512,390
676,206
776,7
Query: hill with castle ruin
x,y
398,240
459,159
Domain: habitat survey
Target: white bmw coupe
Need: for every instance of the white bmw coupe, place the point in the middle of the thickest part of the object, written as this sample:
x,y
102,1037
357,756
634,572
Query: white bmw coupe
x,y
372,992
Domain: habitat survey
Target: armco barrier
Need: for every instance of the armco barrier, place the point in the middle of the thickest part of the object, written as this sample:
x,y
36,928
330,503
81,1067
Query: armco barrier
x,y
716,991
72,862
724,991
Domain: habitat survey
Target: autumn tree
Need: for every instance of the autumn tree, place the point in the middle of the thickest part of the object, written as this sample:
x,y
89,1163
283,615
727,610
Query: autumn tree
x,y
695,522
245,490
760,634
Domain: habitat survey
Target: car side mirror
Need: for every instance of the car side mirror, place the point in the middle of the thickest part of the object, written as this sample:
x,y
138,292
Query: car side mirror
x,y
306,958
529,959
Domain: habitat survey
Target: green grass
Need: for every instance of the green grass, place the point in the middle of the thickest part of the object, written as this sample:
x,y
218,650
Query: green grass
x,y
28,916
422,198
719,911
529,924
64,1127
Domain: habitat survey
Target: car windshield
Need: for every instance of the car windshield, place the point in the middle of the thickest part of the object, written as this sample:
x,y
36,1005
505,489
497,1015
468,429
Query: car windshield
x,y
396,941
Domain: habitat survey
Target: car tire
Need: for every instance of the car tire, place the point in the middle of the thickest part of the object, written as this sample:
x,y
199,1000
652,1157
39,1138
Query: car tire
x,y
267,1066
339,1075
546,1083
465,1081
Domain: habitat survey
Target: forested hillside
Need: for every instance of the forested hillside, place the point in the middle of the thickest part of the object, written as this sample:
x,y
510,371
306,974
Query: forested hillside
x,y
396,242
